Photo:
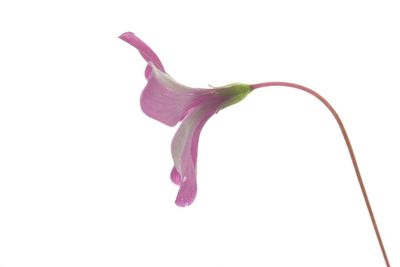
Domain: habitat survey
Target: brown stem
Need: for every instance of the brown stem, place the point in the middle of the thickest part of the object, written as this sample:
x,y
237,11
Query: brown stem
x,y
349,147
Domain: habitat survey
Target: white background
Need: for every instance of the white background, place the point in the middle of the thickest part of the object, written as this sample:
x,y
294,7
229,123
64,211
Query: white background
x,y
84,174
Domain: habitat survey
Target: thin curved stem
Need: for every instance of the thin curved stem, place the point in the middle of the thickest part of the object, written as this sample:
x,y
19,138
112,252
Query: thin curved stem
x,y
349,147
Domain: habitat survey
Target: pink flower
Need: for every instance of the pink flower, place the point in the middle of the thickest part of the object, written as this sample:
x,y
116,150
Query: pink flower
x,y
170,102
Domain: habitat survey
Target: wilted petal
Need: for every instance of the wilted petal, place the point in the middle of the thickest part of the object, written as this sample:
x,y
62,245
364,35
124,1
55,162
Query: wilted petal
x,y
166,100
184,148
146,52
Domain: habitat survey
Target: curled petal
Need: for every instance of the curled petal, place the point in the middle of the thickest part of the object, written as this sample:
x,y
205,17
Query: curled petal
x,y
166,100
184,148
146,52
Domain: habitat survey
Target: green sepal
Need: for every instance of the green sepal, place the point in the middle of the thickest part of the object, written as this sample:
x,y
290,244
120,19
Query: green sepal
x,y
236,92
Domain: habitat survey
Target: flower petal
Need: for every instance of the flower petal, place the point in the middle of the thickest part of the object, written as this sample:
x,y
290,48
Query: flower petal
x,y
184,148
166,100
146,52
175,176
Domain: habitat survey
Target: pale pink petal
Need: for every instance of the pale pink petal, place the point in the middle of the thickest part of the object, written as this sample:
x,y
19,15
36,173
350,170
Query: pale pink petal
x,y
163,98
146,52
167,101
184,148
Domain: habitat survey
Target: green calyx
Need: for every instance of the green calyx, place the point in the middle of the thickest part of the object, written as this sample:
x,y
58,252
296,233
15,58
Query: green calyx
x,y
236,92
